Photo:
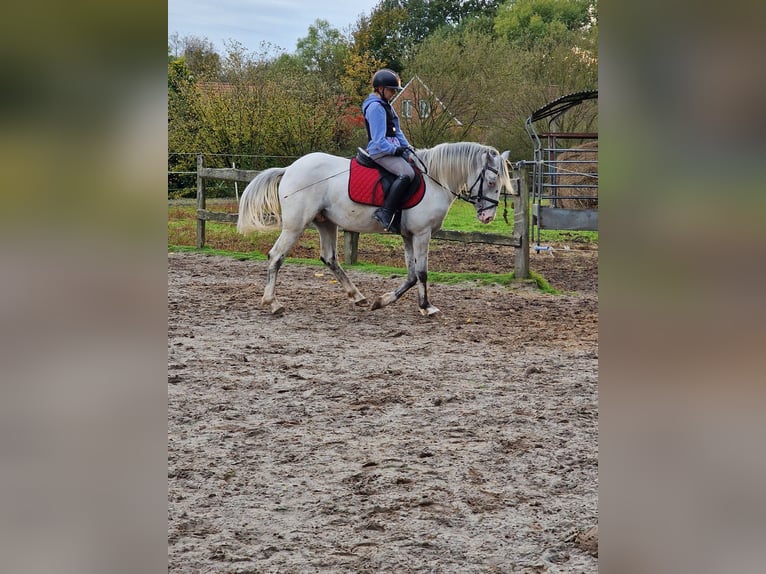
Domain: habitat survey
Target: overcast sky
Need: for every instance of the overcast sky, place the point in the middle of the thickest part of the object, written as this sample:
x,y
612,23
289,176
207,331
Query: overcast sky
x,y
250,22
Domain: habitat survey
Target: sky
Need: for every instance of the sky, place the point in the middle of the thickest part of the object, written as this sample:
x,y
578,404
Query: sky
x,y
251,22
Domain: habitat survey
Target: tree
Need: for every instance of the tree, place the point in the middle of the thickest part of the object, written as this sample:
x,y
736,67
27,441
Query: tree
x,y
379,37
262,106
492,85
323,51
174,46
181,122
200,56
424,17
470,74
357,75
530,23
395,27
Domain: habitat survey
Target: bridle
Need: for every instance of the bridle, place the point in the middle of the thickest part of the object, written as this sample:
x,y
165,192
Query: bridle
x,y
476,199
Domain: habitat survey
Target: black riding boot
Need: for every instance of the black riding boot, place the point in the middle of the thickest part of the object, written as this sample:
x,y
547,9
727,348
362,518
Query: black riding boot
x,y
385,215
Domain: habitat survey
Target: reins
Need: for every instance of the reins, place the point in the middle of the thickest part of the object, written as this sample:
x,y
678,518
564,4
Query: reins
x,y
319,181
473,200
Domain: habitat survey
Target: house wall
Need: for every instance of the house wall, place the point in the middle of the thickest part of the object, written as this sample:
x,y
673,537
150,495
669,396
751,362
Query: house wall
x,y
416,102
414,93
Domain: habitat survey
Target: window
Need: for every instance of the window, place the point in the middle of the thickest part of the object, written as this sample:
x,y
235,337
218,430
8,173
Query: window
x,y
407,108
424,109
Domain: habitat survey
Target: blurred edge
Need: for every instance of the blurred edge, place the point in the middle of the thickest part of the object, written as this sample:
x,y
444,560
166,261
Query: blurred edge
x,y
83,405
82,300
681,89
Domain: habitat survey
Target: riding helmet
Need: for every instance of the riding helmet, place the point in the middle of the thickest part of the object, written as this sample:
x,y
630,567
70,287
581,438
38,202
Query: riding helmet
x,y
386,78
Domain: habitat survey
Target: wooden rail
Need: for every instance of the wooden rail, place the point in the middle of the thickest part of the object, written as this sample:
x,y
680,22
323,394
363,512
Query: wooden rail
x,y
228,173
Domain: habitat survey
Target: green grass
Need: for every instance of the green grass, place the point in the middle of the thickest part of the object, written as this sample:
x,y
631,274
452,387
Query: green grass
x,y
502,279
556,236
462,217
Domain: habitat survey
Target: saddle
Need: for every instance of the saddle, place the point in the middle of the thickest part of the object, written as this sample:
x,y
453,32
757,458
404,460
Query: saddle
x,y
368,183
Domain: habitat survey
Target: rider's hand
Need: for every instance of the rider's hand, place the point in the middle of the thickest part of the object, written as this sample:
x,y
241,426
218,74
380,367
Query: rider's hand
x,y
400,151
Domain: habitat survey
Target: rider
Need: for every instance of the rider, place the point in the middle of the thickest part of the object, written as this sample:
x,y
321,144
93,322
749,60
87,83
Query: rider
x,y
387,145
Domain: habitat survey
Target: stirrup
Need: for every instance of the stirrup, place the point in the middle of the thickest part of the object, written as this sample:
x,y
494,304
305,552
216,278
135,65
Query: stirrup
x,y
378,216
388,226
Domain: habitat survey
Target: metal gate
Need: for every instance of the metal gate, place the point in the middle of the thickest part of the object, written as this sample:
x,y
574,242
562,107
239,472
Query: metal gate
x,y
564,170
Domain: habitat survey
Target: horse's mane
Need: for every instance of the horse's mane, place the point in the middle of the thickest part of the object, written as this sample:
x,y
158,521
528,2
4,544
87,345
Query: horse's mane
x,y
450,163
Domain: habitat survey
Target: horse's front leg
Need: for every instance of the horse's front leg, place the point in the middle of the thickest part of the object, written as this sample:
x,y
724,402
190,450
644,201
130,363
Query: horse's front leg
x,y
419,264
392,296
328,240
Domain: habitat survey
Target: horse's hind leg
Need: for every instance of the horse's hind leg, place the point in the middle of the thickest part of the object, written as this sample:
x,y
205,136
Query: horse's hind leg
x,y
276,256
328,240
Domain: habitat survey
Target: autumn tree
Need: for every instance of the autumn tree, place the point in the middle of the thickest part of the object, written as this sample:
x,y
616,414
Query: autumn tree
x,y
256,107
379,37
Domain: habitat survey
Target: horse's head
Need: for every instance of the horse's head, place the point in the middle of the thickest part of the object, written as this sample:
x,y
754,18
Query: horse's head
x,y
489,178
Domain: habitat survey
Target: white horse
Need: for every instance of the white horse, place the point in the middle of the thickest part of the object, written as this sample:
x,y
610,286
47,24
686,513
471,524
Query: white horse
x,y
314,189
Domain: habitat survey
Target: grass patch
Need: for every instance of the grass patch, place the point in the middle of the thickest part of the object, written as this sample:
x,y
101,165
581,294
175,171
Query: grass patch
x,y
502,279
556,236
462,217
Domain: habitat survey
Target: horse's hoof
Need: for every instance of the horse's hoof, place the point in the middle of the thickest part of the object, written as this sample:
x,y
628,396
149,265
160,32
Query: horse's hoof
x,y
428,311
384,300
360,302
276,308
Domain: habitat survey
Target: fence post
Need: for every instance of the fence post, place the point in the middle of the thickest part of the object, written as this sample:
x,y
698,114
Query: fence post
x,y
521,224
236,188
200,201
350,247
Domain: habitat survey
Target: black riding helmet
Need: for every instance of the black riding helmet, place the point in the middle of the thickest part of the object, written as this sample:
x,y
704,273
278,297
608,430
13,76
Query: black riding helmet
x,y
386,78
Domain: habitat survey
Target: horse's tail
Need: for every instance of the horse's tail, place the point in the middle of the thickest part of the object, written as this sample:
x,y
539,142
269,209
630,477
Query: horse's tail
x,y
259,208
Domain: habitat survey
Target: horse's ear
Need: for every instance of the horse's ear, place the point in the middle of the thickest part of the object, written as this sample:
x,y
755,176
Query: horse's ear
x,y
505,154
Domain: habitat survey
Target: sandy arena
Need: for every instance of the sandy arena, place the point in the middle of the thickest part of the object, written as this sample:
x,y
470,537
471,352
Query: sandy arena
x,y
339,439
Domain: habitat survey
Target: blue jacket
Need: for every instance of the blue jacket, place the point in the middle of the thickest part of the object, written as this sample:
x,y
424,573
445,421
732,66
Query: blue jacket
x,y
378,122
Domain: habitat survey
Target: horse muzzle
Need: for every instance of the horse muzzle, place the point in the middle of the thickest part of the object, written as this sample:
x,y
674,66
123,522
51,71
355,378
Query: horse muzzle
x,y
486,215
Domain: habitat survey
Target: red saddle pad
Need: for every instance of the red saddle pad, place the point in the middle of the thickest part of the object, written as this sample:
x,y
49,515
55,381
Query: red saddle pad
x,y
364,186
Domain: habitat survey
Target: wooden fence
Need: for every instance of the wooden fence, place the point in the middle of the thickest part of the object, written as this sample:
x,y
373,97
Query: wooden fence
x,y
519,239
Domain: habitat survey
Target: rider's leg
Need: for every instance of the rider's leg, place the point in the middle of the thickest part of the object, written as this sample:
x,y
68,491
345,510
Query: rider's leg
x,y
404,173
